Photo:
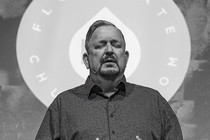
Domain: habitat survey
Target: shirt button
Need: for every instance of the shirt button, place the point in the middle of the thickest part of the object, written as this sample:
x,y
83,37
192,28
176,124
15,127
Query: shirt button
x,y
113,132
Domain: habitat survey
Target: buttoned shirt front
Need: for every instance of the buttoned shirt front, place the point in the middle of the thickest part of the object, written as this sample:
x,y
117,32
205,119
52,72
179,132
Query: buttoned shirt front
x,y
133,112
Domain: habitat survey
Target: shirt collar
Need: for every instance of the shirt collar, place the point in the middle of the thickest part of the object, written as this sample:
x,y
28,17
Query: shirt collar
x,y
94,90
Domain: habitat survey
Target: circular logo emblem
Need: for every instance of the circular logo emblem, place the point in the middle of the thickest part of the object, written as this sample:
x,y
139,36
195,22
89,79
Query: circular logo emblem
x,y
51,38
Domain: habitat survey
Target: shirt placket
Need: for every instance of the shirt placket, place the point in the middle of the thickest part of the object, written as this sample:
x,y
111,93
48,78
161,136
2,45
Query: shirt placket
x,y
110,118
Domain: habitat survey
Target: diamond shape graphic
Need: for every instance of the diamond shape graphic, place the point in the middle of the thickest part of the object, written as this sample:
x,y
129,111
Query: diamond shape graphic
x,y
77,44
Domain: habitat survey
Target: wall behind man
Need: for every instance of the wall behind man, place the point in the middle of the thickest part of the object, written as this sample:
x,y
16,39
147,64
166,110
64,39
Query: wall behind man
x,y
21,112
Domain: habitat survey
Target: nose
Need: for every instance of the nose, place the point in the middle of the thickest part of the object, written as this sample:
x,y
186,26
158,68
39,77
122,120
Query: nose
x,y
109,48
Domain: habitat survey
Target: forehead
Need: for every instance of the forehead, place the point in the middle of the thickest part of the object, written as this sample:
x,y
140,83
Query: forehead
x,y
107,33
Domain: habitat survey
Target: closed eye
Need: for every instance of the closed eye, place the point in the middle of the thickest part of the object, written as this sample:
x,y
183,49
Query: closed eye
x,y
116,44
98,46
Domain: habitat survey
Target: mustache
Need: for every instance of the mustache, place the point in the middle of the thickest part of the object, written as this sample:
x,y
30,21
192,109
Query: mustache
x,y
109,59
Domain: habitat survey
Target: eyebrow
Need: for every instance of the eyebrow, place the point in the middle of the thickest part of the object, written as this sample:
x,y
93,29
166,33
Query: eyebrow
x,y
112,41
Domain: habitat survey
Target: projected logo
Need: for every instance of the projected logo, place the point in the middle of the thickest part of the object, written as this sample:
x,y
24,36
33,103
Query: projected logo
x,y
51,38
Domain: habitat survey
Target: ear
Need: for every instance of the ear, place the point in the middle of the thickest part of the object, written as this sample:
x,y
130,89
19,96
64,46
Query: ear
x,y
126,56
85,60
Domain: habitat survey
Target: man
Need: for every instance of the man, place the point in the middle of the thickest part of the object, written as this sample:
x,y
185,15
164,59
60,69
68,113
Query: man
x,y
107,107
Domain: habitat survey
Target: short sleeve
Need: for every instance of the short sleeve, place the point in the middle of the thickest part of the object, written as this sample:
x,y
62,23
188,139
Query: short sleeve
x,y
171,129
49,129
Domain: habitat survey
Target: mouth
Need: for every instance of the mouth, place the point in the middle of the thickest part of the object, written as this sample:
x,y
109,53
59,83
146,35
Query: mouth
x,y
109,60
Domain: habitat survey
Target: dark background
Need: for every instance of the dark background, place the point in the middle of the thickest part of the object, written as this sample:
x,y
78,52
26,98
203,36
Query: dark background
x,y
21,112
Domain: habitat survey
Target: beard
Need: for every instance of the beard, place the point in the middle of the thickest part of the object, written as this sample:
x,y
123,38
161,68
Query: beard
x,y
109,71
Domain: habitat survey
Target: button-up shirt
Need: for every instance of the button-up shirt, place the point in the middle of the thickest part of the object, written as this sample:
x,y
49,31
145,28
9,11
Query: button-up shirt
x,y
133,112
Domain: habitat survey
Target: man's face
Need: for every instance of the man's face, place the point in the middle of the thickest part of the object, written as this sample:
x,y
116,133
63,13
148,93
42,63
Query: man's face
x,y
106,51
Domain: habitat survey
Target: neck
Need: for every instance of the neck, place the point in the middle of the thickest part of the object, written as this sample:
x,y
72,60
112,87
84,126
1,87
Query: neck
x,y
107,85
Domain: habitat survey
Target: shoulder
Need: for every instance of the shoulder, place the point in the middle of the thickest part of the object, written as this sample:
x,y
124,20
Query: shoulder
x,y
143,90
71,92
154,97
68,95
142,94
